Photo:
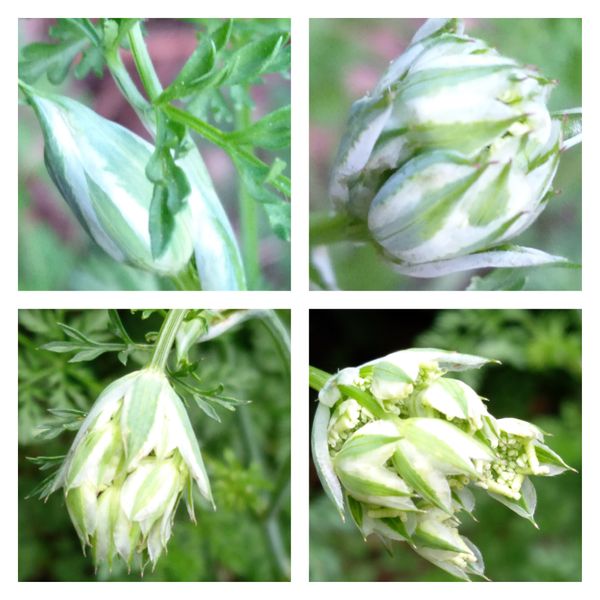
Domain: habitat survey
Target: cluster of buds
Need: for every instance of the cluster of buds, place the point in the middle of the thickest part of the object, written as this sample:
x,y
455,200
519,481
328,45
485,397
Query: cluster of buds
x,y
403,443
452,155
100,169
132,460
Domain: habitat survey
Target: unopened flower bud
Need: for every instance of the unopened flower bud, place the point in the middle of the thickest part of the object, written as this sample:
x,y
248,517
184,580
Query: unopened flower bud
x,y
451,156
129,465
99,168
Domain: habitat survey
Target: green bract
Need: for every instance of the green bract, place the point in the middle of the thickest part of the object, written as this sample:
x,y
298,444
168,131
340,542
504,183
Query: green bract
x,y
452,155
400,444
99,168
133,458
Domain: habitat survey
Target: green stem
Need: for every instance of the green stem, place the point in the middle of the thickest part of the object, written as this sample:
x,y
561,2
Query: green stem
x,y
166,337
280,336
248,214
219,138
143,63
317,378
271,527
186,280
278,549
128,88
281,490
330,228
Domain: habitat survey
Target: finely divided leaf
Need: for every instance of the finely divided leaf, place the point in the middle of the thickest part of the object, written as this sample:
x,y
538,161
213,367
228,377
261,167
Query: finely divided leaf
x,y
271,132
74,37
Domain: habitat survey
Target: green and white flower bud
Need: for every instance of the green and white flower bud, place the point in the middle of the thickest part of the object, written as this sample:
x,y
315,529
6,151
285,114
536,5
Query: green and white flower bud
x,y
99,168
451,156
132,459
401,444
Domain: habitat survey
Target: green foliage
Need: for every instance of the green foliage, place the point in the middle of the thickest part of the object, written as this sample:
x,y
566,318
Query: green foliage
x,y
522,339
46,380
247,453
540,381
73,37
238,58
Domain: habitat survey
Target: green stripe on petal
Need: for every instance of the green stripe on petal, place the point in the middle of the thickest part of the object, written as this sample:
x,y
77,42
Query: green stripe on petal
x,y
82,505
502,257
365,399
149,489
360,466
418,472
550,460
525,506
455,399
446,446
438,535
389,381
139,416
181,429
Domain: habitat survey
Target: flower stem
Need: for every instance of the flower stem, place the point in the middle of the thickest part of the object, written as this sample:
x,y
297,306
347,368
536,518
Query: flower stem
x,y
143,63
130,91
166,337
317,378
328,228
281,338
248,213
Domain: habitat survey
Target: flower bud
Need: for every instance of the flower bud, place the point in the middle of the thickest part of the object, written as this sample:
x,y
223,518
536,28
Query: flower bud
x,y
99,168
451,156
132,459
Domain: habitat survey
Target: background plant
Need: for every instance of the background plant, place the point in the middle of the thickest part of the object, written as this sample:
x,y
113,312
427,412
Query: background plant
x,y
539,380
348,57
246,451
231,87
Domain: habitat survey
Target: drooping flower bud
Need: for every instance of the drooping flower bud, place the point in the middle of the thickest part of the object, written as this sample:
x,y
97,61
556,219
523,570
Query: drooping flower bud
x,y
133,458
400,444
451,156
99,168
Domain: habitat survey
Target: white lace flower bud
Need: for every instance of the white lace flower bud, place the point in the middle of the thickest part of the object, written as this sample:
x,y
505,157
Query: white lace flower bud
x,y
452,155
132,459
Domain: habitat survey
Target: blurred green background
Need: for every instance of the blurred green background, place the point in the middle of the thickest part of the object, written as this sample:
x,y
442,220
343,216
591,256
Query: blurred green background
x,y
347,58
49,234
247,455
539,380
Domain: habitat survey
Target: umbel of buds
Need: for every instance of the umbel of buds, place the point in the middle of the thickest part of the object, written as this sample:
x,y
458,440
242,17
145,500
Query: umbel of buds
x,y
401,443
452,155
132,460
100,169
